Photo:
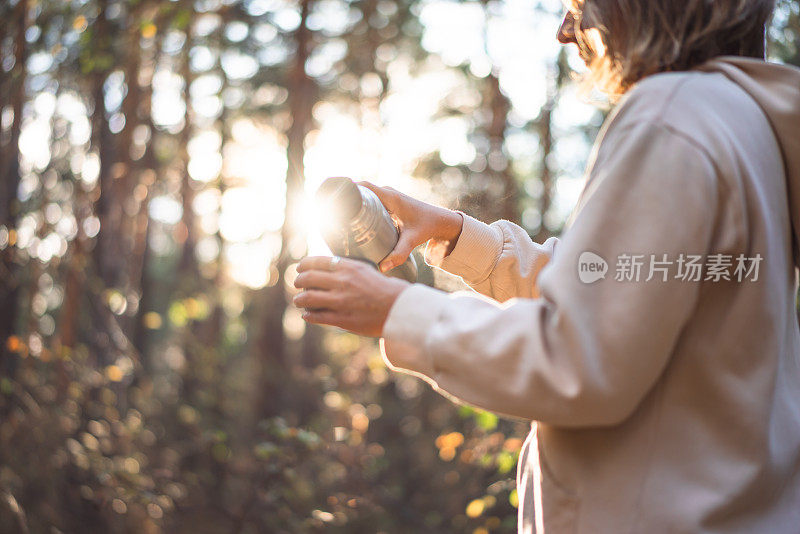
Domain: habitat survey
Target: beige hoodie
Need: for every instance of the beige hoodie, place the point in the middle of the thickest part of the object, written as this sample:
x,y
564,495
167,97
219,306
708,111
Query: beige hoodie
x,y
667,404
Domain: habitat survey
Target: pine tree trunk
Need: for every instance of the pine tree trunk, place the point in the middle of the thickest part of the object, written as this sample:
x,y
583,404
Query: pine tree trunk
x,y
499,107
130,169
302,96
9,268
544,129
148,176
107,259
188,264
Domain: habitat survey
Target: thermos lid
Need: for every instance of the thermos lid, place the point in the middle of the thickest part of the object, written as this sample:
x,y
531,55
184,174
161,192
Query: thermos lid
x,y
341,197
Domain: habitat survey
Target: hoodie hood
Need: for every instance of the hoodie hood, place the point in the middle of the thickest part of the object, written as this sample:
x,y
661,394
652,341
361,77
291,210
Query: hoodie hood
x,y
776,89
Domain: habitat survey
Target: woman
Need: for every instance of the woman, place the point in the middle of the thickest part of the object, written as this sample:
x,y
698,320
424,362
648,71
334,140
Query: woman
x,y
656,343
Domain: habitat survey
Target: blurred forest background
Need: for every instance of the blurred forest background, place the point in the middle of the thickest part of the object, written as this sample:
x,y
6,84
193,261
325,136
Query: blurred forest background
x,y
157,161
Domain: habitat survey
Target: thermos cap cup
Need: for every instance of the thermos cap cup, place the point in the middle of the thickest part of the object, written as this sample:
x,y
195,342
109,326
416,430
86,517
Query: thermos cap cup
x,y
341,196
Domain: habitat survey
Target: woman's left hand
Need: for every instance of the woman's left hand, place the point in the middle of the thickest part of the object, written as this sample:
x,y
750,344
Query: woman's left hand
x,y
347,293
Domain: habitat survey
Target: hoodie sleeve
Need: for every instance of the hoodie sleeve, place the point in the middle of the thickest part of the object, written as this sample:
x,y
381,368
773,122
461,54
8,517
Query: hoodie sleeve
x,y
499,260
582,354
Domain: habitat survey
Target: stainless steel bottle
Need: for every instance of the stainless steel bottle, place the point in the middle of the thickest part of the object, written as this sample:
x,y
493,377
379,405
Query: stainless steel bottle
x,y
358,226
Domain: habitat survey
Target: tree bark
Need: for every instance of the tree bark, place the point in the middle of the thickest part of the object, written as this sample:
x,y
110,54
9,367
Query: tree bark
x,y
130,169
9,268
544,128
499,107
107,259
147,177
272,349
188,262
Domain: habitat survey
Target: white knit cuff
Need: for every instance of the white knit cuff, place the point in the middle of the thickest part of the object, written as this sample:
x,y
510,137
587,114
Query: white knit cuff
x,y
475,254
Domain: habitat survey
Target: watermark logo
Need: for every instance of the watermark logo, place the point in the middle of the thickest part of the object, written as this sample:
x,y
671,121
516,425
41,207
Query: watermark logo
x,y
661,267
591,267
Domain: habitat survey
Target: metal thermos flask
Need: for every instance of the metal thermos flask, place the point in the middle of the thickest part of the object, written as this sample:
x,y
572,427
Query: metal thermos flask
x,y
358,226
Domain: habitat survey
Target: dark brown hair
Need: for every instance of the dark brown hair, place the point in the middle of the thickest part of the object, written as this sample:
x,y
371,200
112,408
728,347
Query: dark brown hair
x,y
643,37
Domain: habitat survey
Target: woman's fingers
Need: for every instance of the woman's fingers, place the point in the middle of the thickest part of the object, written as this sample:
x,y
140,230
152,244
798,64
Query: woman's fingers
x,y
323,317
359,302
316,279
328,264
317,299
320,263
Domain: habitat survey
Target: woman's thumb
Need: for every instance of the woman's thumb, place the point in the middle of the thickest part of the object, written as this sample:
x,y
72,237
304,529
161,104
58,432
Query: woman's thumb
x,y
400,253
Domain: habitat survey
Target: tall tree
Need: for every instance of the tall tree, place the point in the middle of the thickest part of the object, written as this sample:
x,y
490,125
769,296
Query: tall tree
x,y
154,21
303,94
499,107
130,167
9,204
188,229
98,62
558,76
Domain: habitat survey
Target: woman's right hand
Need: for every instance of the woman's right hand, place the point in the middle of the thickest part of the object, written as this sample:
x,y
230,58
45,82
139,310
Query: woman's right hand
x,y
418,223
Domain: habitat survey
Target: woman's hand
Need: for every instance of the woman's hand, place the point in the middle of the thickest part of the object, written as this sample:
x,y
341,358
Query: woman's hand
x,y
346,293
418,222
